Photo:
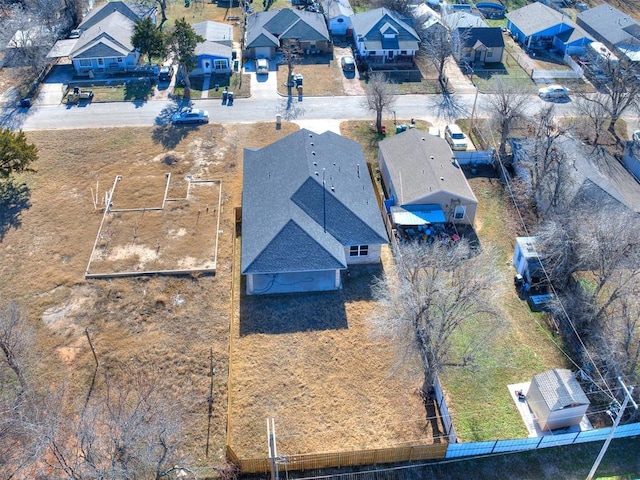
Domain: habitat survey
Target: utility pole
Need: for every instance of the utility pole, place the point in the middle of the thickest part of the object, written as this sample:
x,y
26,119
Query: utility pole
x,y
273,452
627,397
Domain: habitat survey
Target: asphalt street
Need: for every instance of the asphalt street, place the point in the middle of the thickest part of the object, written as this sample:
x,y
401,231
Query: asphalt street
x,y
434,108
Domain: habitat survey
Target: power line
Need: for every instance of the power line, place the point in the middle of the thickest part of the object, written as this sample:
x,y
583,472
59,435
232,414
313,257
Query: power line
x,y
564,312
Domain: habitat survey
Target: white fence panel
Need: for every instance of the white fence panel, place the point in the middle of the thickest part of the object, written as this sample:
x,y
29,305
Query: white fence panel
x,y
516,445
551,74
469,449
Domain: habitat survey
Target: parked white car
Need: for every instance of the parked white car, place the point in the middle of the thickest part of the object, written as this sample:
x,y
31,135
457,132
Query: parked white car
x,y
455,136
552,92
262,66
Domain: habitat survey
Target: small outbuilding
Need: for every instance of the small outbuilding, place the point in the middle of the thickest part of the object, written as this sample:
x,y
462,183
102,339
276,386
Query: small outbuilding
x,y
526,260
557,399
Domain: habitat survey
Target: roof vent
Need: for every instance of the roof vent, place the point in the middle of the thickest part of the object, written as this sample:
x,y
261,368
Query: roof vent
x,y
311,135
333,189
317,174
442,179
432,157
311,144
315,164
423,139
313,153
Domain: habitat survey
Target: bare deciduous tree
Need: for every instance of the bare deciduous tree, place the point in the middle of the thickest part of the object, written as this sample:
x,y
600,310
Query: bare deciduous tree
x,y
379,97
508,104
291,56
16,339
437,46
433,293
128,430
550,181
621,90
595,112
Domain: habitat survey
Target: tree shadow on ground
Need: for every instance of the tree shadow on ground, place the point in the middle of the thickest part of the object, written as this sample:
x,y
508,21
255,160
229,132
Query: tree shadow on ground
x,y
14,198
167,134
447,106
138,91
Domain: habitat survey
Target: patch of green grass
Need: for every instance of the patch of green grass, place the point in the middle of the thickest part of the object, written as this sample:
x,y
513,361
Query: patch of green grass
x,y
519,343
239,84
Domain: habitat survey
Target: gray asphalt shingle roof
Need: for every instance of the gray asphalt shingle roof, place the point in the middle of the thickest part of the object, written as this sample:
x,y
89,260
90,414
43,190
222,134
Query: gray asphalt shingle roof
x,y
537,17
336,8
591,168
218,39
420,164
370,28
108,38
490,37
133,11
611,24
289,221
265,28
560,389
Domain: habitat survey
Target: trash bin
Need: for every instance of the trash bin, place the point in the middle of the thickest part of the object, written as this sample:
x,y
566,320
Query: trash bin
x,y
25,103
278,119
225,94
229,98
217,86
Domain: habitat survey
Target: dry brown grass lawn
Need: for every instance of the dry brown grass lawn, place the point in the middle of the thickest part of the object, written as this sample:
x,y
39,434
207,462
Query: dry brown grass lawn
x,y
322,75
314,363
161,327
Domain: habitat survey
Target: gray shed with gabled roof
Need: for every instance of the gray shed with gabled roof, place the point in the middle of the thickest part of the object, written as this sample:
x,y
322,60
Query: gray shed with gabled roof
x,y
557,399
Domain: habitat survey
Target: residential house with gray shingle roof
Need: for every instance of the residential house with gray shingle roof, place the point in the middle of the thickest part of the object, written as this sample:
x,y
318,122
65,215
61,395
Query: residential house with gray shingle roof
x,y
614,28
474,42
268,31
421,176
382,37
557,399
537,26
308,212
213,56
338,14
105,42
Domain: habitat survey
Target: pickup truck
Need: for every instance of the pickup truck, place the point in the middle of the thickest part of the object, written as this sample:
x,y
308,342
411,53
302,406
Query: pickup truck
x,y
78,95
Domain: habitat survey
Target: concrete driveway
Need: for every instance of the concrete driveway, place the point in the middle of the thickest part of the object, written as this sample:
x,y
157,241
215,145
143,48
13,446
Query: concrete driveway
x,y
54,85
262,86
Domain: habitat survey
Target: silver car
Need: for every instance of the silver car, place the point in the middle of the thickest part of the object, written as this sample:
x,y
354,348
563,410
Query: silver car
x,y
552,92
191,115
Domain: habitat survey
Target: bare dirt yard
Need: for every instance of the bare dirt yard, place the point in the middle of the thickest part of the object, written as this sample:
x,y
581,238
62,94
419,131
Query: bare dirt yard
x,y
161,327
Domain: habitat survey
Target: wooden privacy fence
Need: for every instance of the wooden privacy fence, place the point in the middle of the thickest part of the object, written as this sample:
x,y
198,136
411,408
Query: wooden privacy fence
x,y
312,461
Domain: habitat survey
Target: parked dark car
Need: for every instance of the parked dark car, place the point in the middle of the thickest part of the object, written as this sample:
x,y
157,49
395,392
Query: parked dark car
x,y
165,74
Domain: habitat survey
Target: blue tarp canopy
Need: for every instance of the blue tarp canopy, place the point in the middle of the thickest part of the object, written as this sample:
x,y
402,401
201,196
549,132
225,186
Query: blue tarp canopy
x,y
417,215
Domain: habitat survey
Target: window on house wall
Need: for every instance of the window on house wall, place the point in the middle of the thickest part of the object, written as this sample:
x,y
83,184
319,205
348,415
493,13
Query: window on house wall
x,y
458,213
101,61
403,52
85,62
220,64
359,250
119,59
372,52
340,20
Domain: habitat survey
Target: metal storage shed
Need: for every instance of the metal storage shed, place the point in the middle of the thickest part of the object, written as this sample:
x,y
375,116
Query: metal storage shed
x,y
557,399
